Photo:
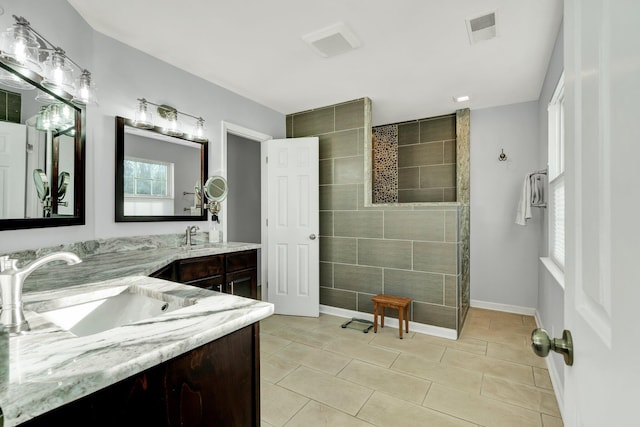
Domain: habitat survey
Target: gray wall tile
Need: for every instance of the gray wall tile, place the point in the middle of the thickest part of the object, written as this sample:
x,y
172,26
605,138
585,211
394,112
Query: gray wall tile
x,y
348,170
313,122
326,274
451,226
420,155
338,144
338,249
426,287
449,195
338,197
326,223
414,225
358,278
338,298
451,290
432,314
360,141
408,178
435,257
326,172
438,129
384,253
438,176
358,224
365,305
450,151
423,195
408,133
289,126
350,115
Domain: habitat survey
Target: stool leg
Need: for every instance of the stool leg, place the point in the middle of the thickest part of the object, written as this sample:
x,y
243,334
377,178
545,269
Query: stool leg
x,y
381,315
406,317
400,313
375,317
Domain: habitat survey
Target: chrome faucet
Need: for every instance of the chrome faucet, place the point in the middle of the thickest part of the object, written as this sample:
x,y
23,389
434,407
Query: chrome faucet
x,y
191,230
11,281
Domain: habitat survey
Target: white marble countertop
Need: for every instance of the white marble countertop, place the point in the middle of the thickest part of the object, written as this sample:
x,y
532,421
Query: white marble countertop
x,y
50,367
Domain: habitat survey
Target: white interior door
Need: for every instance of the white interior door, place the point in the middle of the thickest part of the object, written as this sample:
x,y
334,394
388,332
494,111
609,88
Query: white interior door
x,y
293,226
13,152
602,70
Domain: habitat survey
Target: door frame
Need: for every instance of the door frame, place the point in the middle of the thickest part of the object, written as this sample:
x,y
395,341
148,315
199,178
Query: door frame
x,y
227,128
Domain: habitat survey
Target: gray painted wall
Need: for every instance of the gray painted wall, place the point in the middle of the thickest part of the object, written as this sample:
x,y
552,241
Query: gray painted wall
x,y
550,293
123,74
243,200
504,256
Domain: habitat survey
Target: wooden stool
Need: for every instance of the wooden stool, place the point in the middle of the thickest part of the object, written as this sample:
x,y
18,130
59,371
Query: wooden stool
x,y
399,303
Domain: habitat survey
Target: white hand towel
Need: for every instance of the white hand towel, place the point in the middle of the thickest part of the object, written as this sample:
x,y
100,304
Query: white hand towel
x,y
524,207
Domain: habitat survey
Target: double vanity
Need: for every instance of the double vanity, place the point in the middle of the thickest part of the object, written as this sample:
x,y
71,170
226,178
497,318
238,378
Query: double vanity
x,y
109,345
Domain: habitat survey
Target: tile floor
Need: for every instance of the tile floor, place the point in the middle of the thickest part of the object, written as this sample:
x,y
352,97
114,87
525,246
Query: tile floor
x,y
315,373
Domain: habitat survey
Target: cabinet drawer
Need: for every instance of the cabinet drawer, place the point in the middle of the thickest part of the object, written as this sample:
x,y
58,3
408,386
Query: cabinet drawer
x,y
215,283
200,268
241,260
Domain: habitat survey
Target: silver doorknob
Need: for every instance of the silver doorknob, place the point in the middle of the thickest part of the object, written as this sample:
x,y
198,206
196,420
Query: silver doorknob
x,y
542,344
312,236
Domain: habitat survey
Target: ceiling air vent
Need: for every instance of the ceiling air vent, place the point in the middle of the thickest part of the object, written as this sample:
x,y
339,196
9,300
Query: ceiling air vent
x,y
482,27
332,40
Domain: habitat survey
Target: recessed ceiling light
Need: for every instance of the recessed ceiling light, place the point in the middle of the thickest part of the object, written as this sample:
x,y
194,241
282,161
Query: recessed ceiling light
x,y
332,40
462,98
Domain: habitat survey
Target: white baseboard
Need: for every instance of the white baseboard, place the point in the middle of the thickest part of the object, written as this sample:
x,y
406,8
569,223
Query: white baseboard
x,y
390,321
528,311
558,387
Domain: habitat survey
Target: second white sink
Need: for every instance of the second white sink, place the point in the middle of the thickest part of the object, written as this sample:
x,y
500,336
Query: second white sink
x,y
102,314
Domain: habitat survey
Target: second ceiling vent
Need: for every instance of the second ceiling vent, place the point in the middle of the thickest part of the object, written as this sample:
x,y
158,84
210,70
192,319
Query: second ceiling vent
x,y
482,28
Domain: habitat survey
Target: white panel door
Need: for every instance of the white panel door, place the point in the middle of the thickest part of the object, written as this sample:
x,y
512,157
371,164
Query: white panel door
x,y
13,155
293,245
602,89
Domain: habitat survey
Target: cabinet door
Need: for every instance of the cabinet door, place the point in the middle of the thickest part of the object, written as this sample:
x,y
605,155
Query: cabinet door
x,y
243,283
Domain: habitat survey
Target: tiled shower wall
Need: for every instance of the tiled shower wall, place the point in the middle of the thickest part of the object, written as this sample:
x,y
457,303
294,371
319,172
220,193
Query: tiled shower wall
x,y
409,250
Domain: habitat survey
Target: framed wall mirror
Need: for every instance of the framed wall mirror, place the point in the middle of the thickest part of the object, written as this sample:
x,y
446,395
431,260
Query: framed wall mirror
x,y
42,158
158,177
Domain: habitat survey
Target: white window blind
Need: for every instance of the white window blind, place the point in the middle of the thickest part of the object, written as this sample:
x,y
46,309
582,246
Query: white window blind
x,y
556,176
556,241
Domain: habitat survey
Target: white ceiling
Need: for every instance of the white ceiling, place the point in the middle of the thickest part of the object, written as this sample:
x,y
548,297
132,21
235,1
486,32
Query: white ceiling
x,y
415,54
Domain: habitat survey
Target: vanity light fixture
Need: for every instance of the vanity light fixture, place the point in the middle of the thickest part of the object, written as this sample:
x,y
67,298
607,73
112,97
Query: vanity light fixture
x,y
28,52
171,125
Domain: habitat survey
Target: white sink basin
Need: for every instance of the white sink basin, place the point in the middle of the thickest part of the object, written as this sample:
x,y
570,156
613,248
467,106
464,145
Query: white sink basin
x,y
98,315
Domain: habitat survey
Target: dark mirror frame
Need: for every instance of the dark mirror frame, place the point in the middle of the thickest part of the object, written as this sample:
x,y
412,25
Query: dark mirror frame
x,y
79,168
119,193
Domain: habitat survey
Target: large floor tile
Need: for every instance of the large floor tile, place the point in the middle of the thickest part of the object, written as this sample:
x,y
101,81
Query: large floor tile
x,y
549,421
515,353
315,358
335,392
396,384
387,411
278,404
269,344
489,365
273,368
315,414
367,353
529,397
458,378
542,379
424,348
479,409
493,335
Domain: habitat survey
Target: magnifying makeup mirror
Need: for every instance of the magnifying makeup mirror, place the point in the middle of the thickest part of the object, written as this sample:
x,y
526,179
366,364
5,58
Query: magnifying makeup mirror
x,y
63,182
215,189
42,184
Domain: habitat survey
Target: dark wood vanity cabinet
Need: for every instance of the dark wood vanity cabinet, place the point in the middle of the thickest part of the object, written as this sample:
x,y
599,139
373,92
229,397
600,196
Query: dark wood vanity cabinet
x,y
217,384
233,273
